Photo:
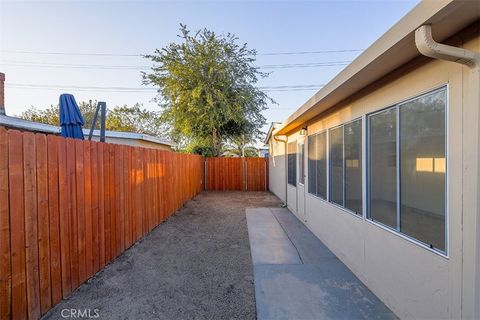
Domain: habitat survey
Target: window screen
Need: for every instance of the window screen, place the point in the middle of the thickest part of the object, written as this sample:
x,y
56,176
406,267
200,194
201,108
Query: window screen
x,y
411,197
312,164
353,166
321,181
336,165
383,171
422,169
301,163
346,166
317,165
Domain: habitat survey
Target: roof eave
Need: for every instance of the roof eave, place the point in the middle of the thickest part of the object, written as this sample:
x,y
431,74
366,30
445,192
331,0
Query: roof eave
x,y
392,50
270,131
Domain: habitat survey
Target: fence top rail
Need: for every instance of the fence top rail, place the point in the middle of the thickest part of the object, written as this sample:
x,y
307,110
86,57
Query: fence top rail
x,y
24,133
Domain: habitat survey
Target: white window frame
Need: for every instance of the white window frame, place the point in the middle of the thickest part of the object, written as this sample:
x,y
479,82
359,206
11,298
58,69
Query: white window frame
x,y
362,215
397,231
326,164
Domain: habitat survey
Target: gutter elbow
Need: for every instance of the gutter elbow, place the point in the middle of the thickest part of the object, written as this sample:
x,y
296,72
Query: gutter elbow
x,y
275,137
430,48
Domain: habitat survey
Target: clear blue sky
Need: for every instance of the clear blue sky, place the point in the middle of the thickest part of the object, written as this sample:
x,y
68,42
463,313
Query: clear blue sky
x,y
139,27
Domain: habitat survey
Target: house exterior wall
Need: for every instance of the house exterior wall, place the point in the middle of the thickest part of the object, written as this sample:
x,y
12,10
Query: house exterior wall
x,y
277,160
411,279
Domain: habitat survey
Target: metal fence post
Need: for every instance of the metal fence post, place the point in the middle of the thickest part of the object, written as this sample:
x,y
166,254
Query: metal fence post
x,y
265,172
245,174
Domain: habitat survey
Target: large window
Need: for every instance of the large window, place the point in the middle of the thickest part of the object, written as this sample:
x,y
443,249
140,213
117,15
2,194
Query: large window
x,y
292,167
345,176
407,168
336,165
312,164
383,167
317,164
301,163
353,166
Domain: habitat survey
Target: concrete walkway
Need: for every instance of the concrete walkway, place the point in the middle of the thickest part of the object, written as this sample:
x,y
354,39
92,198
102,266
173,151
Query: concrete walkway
x,y
297,277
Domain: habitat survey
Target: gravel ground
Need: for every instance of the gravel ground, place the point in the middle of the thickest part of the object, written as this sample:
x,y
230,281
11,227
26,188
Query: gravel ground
x,y
196,265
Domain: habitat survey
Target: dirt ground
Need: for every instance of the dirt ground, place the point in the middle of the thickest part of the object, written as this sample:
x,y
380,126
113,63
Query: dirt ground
x,y
196,265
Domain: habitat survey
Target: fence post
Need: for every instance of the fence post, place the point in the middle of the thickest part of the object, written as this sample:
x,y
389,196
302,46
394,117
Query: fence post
x,y
265,172
204,173
245,161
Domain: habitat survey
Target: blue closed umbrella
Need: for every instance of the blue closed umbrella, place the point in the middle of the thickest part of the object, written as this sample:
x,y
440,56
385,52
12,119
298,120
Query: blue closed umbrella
x,y
71,119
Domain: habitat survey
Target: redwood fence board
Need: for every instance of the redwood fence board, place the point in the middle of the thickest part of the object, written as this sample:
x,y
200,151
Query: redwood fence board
x,y
87,170
17,226
64,218
101,203
54,219
95,207
31,225
5,263
72,211
80,223
69,207
43,223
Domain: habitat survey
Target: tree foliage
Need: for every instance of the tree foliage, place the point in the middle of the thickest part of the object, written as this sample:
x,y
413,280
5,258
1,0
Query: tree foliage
x,y
121,118
206,88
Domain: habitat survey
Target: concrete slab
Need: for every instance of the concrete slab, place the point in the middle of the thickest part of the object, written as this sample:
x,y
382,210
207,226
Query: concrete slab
x,y
309,247
324,291
317,285
268,242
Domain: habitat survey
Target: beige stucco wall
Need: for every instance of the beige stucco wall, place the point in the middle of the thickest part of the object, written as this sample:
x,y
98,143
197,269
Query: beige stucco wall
x,y
412,280
135,143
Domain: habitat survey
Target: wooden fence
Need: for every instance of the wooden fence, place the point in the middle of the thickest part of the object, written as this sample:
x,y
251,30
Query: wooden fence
x,y
244,174
69,207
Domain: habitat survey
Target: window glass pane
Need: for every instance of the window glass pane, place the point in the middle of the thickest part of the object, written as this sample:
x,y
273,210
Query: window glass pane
x,y
301,163
336,165
292,167
383,168
322,165
422,159
312,164
353,166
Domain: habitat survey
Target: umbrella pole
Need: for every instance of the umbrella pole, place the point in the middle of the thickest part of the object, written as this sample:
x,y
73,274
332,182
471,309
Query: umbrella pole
x,y
103,113
102,120
93,123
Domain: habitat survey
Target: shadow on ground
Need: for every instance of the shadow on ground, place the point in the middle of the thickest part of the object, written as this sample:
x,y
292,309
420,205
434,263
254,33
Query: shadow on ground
x,y
195,265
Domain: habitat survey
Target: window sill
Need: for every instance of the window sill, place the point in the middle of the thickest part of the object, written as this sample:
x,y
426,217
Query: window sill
x,y
409,239
346,210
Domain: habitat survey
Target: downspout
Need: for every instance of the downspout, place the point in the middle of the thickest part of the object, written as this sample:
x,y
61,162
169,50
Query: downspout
x,y
286,168
430,48
470,307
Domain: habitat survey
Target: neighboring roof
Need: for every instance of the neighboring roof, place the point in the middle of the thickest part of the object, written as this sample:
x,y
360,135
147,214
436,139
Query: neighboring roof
x,y
273,126
130,135
22,124
395,48
13,122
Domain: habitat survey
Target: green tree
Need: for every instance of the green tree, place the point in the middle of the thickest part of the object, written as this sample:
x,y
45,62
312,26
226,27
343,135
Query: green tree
x,y
243,145
50,115
206,88
135,119
125,118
